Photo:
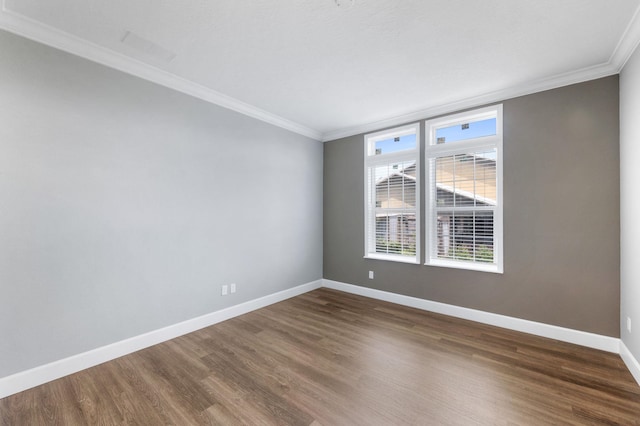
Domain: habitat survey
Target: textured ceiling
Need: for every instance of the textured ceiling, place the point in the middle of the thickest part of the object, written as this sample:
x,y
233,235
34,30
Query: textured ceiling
x,y
335,69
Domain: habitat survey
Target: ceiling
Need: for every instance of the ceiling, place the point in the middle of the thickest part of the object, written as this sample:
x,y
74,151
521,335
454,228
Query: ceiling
x,y
332,68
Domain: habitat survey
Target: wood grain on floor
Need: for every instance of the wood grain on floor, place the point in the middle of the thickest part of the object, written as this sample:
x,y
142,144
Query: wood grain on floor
x,y
331,358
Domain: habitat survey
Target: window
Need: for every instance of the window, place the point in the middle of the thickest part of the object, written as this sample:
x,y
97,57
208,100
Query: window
x,y
392,194
463,154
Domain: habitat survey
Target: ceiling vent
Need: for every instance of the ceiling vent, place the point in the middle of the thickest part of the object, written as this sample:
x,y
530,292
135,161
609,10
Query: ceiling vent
x,y
148,48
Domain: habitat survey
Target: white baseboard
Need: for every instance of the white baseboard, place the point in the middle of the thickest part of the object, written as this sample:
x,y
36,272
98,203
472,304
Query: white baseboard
x,y
591,340
631,362
39,375
45,373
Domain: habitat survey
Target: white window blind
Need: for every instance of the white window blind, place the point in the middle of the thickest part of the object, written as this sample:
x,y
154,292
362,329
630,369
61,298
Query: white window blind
x,y
464,184
392,193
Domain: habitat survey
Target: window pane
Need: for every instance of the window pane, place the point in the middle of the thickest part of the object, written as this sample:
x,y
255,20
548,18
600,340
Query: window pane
x,y
395,185
465,236
401,143
445,181
474,129
465,180
396,233
485,178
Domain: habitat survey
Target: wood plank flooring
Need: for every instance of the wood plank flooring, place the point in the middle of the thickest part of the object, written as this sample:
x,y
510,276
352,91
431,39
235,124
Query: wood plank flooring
x,y
331,358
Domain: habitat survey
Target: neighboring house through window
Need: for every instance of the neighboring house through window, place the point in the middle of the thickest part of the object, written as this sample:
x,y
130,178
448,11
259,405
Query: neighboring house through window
x,y
392,199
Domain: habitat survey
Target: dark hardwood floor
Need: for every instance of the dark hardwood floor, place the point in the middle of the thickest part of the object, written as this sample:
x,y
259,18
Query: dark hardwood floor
x,y
331,358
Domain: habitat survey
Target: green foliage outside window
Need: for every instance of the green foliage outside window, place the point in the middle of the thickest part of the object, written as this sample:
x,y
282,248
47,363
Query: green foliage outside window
x,y
395,247
483,253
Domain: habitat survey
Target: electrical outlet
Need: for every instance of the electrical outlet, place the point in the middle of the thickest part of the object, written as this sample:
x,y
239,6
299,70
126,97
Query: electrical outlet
x,y
232,288
629,324
225,290
370,275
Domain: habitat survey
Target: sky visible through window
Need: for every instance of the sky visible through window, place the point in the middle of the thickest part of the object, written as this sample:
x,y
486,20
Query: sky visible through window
x,y
458,132
476,129
391,145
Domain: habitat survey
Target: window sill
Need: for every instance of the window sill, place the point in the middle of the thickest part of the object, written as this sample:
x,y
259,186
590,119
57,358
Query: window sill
x,y
486,267
393,258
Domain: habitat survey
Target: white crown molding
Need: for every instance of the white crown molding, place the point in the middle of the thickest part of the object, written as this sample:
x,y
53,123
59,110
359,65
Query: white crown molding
x,y
566,79
582,338
37,31
630,361
624,49
628,42
45,373
42,33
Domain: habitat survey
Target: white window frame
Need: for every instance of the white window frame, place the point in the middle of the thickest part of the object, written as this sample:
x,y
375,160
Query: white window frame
x,y
370,161
434,150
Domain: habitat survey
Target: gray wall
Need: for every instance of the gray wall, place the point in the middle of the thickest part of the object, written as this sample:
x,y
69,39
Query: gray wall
x,y
561,217
124,206
630,203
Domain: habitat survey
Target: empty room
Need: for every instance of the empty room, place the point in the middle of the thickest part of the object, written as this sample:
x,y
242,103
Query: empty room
x,y
319,212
